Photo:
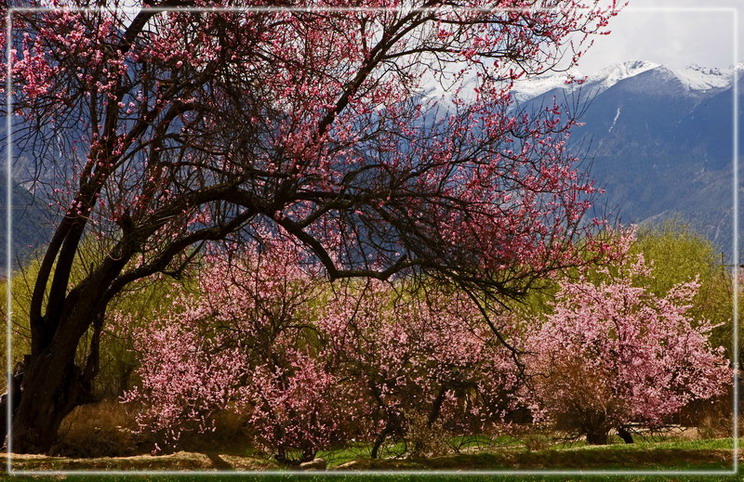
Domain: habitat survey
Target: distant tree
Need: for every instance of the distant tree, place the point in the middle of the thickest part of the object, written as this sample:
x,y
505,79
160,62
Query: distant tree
x,y
613,353
161,131
677,253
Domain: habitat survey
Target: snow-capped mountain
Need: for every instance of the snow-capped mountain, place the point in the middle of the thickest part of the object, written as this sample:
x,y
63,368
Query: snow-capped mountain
x,y
573,80
660,140
693,79
702,79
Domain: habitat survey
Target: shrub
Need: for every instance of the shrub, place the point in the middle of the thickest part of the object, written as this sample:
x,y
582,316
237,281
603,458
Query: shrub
x,y
613,354
103,429
419,355
309,364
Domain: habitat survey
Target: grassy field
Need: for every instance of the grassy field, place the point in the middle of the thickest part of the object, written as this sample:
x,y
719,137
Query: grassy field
x,y
664,456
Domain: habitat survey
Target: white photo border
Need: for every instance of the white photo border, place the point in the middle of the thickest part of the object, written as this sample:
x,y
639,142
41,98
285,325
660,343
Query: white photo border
x,y
9,257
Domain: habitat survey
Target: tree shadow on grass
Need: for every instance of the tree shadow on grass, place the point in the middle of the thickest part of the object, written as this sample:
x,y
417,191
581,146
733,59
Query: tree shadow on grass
x,y
218,462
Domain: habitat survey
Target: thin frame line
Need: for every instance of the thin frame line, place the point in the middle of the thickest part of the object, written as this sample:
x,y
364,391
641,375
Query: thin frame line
x,y
287,9
340,473
8,126
352,9
735,247
8,238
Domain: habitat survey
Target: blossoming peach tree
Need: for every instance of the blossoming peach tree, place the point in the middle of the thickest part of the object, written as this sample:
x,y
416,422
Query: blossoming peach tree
x,y
158,129
613,355
240,339
425,360
308,363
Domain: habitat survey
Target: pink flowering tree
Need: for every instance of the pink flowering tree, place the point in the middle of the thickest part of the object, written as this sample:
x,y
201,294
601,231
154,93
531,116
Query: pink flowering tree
x,y
185,379
613,355
159,132
427,364
240,340
310,364
300,406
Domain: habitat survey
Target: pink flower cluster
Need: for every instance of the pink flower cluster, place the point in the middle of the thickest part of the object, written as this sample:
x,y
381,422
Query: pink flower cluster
x,y
309,363
613,354
330,106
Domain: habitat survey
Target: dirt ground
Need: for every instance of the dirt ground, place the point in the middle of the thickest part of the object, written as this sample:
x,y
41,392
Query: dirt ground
x,y
514,460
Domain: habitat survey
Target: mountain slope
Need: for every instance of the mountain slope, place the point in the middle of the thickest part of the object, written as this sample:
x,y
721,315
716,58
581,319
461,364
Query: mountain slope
x,y
660,141
30,224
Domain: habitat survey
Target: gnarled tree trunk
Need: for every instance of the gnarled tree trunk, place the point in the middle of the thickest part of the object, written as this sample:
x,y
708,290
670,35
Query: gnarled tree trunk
x,y
51,386
625,434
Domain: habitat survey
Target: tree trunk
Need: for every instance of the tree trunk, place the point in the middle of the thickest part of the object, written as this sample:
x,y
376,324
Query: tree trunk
x,y
52,387
597,436
436,407
12,396
379,440
625,435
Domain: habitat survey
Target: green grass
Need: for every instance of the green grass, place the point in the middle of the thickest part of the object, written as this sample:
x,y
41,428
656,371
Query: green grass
x,y
390,478
342,455
502,452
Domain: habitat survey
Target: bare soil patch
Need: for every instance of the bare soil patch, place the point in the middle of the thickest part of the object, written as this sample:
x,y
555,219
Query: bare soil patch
x,y
612,457
182,461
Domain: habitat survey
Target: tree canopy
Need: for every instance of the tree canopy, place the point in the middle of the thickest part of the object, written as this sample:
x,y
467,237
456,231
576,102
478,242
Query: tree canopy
x,y
158,129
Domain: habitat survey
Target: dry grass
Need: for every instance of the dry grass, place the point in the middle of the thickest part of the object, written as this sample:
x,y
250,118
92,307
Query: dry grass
x,y
109,429
231,436
179,461
104,429
577,459
677,455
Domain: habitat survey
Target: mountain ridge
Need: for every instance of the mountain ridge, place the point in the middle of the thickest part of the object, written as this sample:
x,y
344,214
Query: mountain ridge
x,y
693,78
661,143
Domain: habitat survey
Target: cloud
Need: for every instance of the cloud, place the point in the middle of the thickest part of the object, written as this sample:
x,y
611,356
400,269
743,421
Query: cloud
x,y
672,33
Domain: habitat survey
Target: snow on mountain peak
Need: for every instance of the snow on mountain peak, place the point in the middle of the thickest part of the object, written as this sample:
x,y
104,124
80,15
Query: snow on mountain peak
x,y
698,78
693,77
594,84
537,85
613,74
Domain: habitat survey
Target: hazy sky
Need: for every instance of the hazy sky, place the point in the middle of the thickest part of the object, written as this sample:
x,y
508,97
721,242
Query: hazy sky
x,y
671,32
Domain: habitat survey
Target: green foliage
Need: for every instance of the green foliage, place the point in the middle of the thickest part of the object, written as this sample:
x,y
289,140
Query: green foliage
x,y
677,254
117,355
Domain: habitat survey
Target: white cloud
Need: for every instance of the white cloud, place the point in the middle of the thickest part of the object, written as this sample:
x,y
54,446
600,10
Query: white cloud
x,y
673,33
